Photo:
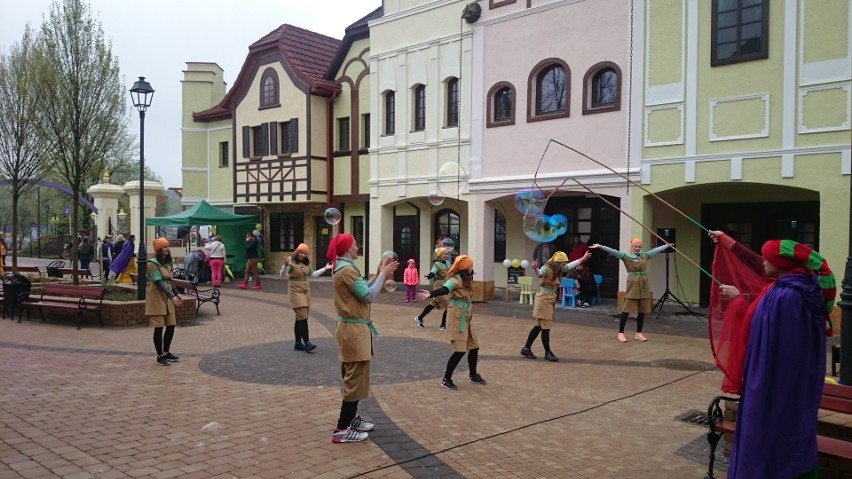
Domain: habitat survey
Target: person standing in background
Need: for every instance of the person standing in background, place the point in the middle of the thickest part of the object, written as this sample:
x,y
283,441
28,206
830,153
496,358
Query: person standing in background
x,y
106,254
216,251
86,250
252,254
298,270
543,252
578,248
411,278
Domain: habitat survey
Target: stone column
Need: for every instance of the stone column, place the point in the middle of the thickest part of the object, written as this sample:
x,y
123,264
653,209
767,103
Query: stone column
x,y
105,197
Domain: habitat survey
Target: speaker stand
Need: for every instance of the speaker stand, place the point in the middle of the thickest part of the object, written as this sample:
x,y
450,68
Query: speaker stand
x,y
669,296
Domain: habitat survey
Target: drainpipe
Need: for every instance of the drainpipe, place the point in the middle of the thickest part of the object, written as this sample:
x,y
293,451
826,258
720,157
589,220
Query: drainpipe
x,y
329,146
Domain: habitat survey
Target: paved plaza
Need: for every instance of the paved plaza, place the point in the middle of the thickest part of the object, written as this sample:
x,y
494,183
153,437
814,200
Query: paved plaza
x,y
93,403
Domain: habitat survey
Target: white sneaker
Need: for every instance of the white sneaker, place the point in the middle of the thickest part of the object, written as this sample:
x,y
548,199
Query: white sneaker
x,y
348,435
418,321
361,425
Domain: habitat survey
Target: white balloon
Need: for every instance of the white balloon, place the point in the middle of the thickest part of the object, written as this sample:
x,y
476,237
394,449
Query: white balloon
x,y
507,262
525,264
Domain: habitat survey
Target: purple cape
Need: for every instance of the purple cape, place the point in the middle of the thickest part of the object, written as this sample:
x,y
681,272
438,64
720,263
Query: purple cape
x,y
120,262
782,383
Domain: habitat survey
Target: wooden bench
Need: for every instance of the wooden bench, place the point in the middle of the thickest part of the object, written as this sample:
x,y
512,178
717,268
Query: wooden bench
x,y
835,398
30,269
209,295
89,300
82,273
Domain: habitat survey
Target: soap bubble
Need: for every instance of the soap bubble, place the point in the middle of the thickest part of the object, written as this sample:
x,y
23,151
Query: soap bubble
x,y
530,201
200,445
516,263
390,286
452,179
538,228
436,198
332,216
559,223
264,441
389,254
211,427
525,264
507,262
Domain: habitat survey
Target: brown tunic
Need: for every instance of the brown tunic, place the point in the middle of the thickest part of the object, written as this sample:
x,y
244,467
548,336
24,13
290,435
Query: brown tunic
x,y
545,298
157,303
354,341
298,285
460,305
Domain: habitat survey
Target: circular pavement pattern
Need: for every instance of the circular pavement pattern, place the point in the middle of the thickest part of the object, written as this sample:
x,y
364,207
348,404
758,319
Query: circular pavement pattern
x,y
396,360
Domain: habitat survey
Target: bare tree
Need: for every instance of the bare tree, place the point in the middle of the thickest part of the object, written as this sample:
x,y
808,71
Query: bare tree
x,y
85,116
22,152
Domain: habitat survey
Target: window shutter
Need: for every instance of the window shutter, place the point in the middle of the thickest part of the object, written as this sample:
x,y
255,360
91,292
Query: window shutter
x,y
264,139
294,134
246,144
273,138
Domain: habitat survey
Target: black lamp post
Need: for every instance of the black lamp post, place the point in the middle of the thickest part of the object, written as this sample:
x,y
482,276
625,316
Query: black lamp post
x,y
141,94
846,307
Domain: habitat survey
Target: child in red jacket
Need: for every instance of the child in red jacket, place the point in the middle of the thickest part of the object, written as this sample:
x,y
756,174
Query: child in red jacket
x,y
411,280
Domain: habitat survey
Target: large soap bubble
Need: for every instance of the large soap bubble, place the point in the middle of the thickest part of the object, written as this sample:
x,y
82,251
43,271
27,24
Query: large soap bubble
x,y
332,216
559,223
538,228
452,179
530,201
390,286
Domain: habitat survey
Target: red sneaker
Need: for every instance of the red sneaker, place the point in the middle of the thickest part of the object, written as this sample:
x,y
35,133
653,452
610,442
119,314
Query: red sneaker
x,y
256,286
242,286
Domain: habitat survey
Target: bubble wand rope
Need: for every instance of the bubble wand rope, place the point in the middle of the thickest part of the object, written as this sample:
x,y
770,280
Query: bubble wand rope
x,y
628,179
646,229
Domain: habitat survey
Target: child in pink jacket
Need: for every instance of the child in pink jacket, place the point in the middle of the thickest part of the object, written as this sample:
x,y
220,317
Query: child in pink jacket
x,y
411,279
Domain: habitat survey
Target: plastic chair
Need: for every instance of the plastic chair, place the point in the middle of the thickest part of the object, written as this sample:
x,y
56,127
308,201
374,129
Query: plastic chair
x,y
567,286
598,281
525,282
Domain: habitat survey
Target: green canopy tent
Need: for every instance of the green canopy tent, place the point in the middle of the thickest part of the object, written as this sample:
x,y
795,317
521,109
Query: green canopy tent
x,y
232,228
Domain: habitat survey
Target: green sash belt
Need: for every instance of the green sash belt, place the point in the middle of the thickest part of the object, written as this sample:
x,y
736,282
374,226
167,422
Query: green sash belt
x,y
360,321
464,306
547,290
636,273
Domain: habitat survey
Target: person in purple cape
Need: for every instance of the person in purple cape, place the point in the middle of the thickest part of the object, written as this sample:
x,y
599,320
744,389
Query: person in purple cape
x,y
784,368
120,263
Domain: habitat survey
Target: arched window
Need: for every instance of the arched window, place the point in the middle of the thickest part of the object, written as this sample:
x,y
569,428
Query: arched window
x,y
419,108
501,105
269,89
390,112
549,90
453,102
602,88
447,224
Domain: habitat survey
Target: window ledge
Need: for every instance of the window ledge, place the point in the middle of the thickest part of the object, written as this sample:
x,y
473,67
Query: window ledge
x,y
266,107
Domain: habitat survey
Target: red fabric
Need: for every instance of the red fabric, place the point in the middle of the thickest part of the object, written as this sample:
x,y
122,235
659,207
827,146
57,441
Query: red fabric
x,y
729,321
339,245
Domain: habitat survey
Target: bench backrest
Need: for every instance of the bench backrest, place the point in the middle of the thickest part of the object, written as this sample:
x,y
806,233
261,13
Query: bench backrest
x,y
836,398
29,269
183,284
71,290
70,271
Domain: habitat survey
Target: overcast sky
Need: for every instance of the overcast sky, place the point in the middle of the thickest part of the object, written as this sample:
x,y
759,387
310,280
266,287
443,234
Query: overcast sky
x,y
155,39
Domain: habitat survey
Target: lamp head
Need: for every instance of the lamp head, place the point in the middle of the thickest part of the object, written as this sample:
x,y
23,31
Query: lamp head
x,y
142,94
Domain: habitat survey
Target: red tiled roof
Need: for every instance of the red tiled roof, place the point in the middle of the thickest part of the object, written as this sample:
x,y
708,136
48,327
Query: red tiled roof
x,y
308,53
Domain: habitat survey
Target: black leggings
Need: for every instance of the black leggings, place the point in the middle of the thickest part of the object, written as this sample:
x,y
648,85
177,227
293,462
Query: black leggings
x,y
162,342
455,359
428,309
300,330
545,338
622,322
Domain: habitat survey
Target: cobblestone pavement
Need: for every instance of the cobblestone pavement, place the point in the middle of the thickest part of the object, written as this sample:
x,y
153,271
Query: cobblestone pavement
x,y
93,403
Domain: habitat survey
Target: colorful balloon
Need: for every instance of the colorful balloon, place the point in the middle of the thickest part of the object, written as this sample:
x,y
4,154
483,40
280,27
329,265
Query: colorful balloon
x,y
516,263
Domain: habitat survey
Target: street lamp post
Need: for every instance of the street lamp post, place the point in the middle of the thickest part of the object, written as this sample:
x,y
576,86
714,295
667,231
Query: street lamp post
x,y
141,94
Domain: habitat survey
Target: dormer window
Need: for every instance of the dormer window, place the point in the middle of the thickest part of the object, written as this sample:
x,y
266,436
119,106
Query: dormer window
x,y
269,89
